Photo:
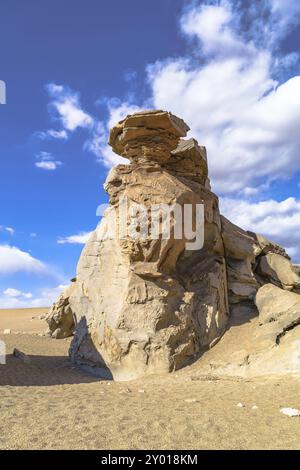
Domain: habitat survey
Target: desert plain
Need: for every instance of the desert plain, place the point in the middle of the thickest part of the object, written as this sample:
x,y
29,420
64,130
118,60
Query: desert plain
x,y
48,403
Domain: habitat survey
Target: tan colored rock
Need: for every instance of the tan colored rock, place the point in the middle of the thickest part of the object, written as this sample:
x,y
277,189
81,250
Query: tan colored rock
x,y
266,246
274,303
296,269
189,160
241,250
135,315
60,318
238,243
147,136
252,261
278,270
146,303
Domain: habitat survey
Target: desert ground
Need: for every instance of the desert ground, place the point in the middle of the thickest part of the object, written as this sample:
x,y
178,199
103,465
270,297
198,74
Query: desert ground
x,y
47,403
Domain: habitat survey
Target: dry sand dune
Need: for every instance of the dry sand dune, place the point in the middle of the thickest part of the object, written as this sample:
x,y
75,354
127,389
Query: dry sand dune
x,y
49,404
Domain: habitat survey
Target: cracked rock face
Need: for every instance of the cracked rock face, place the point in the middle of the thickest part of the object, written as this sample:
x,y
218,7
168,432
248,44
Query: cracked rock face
x,y
146,304
142,304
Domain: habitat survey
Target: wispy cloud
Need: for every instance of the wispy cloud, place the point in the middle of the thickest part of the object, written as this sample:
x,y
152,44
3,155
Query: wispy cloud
x,y
9,230
52,134
80,238
47,162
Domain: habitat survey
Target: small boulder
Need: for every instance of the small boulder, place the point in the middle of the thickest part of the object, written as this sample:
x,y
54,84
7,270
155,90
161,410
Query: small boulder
x,y
278,270
276,304
60,319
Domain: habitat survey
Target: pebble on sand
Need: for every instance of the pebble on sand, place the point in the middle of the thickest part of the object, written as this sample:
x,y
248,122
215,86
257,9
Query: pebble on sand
x,y
7,331
240,405
291,412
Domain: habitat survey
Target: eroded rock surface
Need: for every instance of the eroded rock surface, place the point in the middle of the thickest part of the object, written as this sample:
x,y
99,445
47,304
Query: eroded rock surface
x,y
143,304
60,319
147,304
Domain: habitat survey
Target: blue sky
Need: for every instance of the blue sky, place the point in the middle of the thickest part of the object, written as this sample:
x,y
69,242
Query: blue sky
x,y
74,68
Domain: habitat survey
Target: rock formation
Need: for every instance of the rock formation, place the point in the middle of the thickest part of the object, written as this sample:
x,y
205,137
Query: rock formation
x,y
144,302
60,319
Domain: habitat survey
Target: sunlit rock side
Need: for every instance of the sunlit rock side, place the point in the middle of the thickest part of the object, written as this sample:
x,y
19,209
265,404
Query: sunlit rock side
x,y
143,305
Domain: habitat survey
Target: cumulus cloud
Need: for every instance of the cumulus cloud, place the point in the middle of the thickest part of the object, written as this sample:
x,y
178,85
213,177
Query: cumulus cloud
x,y
13,298
15,293
278,221
49,166
233,104
80,238
66,106
13,260
227,89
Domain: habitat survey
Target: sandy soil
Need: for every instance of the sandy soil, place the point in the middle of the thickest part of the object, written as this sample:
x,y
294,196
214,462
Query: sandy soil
x,y
49,404
23,320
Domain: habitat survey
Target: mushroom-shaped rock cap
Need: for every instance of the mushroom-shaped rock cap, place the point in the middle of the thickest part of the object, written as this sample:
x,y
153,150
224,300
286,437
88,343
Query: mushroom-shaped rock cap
x,y
147,135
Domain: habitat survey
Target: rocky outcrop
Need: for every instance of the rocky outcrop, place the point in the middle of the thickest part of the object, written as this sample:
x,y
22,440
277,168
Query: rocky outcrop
x,y
278,270
274,306
241,251
150,300
147,304
253,261
60,319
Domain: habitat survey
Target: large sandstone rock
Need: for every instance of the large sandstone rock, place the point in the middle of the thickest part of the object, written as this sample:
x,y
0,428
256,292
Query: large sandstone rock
x,y
144,302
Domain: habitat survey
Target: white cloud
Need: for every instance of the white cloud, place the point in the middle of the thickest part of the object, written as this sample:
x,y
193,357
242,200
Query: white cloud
x,y
50,166
227,89
53,134
278,221
66,104
97,143
230,99
47,162
212,25
287,13
9,230
15,293
13,260
80,238
44,298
